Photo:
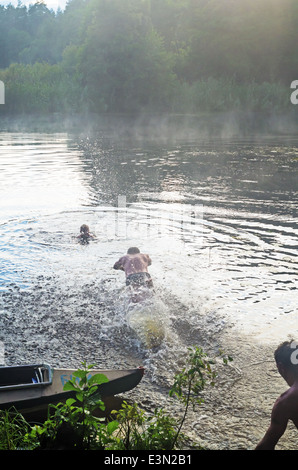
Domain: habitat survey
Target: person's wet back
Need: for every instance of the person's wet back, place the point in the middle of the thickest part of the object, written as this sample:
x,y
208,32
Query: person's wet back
x,y
135,265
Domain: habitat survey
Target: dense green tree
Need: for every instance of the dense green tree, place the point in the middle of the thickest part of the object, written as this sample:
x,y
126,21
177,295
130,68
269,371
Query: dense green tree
x,y
236,38
160,55
123,63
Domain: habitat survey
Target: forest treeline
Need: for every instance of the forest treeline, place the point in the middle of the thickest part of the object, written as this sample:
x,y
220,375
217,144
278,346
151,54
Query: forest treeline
x,y
119,56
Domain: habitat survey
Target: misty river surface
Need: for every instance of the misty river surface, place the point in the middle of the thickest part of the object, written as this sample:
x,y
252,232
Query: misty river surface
x,y
218,219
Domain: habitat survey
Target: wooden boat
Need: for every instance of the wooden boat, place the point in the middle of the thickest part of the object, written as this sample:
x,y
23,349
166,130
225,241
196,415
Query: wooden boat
x,y
33,387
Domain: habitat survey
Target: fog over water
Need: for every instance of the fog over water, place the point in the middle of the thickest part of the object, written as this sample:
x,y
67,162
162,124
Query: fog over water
x,y
218,216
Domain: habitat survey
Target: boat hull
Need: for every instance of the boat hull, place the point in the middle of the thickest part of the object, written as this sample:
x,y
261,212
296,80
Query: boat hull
x,y
37,395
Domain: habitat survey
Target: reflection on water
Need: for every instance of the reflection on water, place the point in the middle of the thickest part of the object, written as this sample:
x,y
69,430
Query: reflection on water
x,y
242,197
38,173
218,219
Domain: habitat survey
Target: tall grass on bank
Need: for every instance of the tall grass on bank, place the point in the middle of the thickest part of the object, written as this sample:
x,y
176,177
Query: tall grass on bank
x,y
220,94
39,88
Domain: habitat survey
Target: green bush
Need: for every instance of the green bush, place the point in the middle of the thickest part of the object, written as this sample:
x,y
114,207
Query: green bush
x,y
73,425
39,88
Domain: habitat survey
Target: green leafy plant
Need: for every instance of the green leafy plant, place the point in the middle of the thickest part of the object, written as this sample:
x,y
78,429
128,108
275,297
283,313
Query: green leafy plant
x,y
139,431
73,424
160,431
191,381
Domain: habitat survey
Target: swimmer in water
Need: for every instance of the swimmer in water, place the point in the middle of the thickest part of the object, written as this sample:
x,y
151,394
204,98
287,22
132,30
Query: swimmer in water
x,y
135,265
85,234
286,406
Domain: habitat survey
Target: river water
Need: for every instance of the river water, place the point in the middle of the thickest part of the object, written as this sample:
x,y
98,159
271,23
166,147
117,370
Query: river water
x,y
218,219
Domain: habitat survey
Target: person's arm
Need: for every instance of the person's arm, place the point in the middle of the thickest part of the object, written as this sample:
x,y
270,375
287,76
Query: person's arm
x,y
278,425
118,265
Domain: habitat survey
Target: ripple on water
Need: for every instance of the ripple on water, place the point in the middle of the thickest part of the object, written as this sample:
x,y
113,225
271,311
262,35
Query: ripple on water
x,y
220,231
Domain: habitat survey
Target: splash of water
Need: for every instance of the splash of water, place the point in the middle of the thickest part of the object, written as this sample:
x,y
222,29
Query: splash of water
x,y
149,320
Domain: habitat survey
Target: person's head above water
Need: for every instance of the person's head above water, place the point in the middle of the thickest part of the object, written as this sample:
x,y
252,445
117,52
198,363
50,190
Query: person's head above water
x,y
133,250
84,228
286,358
